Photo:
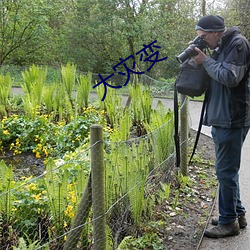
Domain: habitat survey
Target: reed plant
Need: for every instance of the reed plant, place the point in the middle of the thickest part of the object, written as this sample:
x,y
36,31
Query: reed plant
x,y
135,92
56,188
141,106
68,74
65,181
137,179
83,90
146,102
113,107
6,184
62,106
122,127
161,132
5,90
56,184
48,98
126,172
100,93
34,80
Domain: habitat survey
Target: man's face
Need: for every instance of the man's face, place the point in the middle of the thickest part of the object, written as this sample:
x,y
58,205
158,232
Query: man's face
x,y
211,38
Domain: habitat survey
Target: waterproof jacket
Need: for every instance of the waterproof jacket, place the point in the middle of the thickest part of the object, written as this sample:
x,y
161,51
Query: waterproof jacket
x,y
228,104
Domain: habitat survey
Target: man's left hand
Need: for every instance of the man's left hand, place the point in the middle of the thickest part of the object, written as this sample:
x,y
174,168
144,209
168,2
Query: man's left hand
x,y
200,58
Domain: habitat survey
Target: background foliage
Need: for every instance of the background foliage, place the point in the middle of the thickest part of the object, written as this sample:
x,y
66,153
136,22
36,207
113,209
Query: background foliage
x,y
94,34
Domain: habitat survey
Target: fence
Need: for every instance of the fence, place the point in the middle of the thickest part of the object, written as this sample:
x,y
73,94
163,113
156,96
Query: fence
x,y
96,200
64,208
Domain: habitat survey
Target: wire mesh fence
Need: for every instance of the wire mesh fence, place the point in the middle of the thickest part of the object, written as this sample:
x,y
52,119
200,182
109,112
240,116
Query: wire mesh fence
x,y
45,211
57,209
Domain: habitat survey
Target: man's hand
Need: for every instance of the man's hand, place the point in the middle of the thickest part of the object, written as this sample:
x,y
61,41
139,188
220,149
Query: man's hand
x,y
200,58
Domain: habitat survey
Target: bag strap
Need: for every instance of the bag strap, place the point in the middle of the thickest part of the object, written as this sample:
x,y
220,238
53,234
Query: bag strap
x,y
176,126
199,127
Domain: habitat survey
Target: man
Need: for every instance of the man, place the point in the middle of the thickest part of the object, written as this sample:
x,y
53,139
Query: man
x,y
228,112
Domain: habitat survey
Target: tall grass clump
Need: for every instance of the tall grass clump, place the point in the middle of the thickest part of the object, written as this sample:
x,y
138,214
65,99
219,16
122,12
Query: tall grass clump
x,y
141,106
127,165
68,74
83,91
34,80
5,90
48,98
161,130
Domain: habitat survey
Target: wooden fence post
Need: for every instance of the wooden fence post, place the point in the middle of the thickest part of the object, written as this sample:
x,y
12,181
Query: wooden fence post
x,y
98,195
80,218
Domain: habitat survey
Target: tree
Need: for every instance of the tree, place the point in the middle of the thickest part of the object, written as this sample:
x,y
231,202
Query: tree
x,y
237,12
104,31
20,22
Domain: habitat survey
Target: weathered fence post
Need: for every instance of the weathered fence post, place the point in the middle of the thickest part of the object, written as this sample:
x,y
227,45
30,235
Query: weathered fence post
x,y
80,218
184,135
98,195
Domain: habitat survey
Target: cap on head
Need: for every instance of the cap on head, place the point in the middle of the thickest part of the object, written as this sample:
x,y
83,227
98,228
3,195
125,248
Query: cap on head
x,y
210,23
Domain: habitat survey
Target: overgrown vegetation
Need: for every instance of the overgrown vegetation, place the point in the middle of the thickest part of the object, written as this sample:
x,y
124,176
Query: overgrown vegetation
x,y
53,124
38,211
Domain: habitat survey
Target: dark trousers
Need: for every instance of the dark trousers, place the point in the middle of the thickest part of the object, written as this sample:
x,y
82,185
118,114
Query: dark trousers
x,y
228,145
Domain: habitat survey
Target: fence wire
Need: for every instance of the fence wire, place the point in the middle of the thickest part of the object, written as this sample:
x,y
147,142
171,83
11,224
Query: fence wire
x,y
45,209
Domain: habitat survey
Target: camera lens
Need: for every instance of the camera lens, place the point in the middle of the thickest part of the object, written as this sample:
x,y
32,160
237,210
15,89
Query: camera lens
x,y
190,51
187,53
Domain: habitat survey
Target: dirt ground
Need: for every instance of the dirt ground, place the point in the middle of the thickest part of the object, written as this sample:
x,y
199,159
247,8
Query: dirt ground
x,y
187,223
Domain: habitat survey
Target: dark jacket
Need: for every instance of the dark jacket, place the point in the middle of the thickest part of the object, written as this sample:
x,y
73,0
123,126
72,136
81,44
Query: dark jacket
x,y
228,103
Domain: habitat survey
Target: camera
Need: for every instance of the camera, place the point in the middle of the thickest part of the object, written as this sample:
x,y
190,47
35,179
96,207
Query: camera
x,y
190,51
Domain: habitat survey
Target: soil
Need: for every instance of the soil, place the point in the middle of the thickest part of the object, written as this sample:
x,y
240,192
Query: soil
x,y
186,223
25,164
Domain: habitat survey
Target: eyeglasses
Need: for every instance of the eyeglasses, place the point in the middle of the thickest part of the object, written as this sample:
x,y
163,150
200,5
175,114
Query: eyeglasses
x,y
203,36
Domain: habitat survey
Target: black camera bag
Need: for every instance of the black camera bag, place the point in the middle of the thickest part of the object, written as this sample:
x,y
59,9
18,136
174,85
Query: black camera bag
x,y
192,79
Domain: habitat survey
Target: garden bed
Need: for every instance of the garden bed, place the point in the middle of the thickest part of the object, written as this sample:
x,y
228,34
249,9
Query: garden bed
x,y
178,222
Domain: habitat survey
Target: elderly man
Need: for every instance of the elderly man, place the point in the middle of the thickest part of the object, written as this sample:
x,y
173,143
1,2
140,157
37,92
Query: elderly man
x,y
228,112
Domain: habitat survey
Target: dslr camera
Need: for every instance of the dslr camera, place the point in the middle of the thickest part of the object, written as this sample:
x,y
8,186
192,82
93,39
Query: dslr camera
x,y
190,51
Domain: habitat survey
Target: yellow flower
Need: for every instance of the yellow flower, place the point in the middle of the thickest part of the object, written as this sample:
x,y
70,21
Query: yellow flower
x,y
16,152
14,209
31,187
12,145
73,199
45,151
38,156
69,211
37,196
6,132
102,112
